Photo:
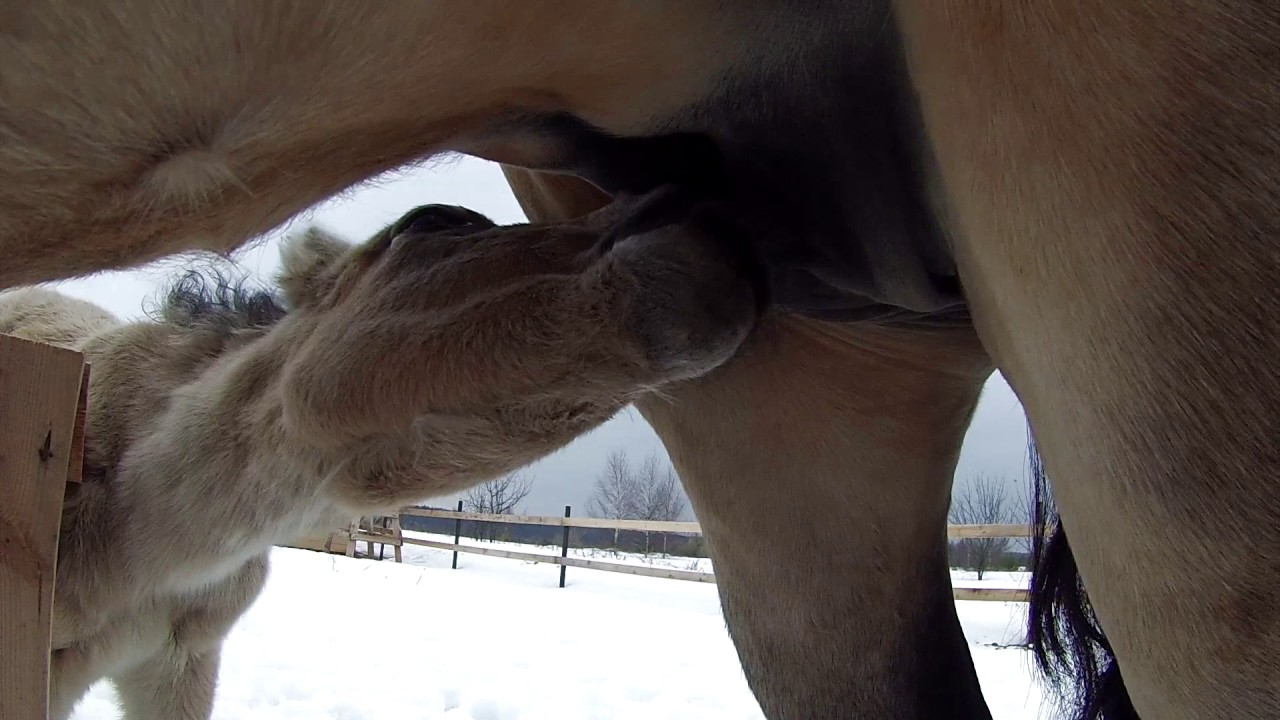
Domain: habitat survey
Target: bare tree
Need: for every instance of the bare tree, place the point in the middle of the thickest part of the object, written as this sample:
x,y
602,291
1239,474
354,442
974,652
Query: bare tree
x,y
650,492
499,496
659,495
614,496
981,501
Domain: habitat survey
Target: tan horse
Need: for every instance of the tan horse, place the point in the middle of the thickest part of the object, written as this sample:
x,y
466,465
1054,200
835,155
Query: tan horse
x,y
1096,184
440,353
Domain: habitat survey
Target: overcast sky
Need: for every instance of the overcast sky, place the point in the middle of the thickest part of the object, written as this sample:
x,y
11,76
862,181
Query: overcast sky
x,y
995,444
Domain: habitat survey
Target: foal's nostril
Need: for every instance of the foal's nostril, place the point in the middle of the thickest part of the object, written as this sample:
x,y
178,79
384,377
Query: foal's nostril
x,y
436,218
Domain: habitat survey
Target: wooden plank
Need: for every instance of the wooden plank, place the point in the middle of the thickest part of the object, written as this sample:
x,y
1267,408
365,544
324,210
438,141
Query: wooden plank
x,y
379,539
492,552
395,529
646,571
333,542
972,594
965,532
75,470
336,542
979,594
954,532
992,594
641,525
39,393
642,570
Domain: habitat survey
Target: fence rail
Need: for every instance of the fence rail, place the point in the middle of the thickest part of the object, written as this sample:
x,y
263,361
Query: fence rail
x,y
692,528
643,570
954,532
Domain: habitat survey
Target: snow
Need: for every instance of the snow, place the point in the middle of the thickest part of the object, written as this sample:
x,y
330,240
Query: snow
x,y
354,639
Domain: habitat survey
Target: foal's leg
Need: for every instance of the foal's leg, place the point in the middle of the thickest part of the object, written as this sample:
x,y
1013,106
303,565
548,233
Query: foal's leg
x,y
178,681
174,685
1119,239
72,671
178,644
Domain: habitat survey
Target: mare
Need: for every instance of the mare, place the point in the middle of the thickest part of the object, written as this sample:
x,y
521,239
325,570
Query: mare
x,y
1082,194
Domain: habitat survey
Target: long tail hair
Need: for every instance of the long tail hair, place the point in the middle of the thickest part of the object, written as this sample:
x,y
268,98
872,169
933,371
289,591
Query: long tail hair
x,y
1069,645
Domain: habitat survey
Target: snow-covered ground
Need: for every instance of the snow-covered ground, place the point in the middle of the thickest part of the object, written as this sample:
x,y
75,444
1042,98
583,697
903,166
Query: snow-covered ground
x,y
333,637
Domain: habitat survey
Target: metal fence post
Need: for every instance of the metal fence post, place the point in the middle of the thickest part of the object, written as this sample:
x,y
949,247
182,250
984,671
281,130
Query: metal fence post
x,y
564,546
457,535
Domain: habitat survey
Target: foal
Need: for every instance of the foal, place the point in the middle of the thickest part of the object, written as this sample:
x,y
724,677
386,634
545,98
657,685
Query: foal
x,y
442,352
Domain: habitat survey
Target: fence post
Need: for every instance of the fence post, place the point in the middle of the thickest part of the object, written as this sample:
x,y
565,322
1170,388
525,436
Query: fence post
x,y
457,535
564,546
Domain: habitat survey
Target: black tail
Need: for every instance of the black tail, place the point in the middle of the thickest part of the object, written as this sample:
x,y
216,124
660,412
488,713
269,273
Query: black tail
x,y
1070,648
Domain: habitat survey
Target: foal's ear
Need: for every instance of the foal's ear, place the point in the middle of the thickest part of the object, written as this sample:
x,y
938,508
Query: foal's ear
x,y
306,265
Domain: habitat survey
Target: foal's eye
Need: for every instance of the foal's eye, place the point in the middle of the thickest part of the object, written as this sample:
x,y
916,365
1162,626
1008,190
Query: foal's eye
x,y
436,218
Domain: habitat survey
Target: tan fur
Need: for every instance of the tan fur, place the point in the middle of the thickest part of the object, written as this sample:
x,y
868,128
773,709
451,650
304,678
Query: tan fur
x,y
1114,176
1117,224
827,620
176,125
1107,173
414,365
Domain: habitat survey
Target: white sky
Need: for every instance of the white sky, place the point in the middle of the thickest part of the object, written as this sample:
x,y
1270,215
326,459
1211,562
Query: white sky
x,y
995,444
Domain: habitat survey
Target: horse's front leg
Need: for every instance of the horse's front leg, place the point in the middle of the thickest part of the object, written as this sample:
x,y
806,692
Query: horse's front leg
x,y
819,463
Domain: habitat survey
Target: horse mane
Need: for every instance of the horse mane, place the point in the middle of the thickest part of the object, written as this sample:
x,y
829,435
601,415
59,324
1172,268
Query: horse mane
x,y
217,297
1070,648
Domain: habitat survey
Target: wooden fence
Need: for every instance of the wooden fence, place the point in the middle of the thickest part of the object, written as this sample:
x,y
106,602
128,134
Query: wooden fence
x,y
42,395
954,532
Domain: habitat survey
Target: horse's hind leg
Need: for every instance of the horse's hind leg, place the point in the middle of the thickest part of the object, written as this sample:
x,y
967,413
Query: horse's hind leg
x,y
1120,245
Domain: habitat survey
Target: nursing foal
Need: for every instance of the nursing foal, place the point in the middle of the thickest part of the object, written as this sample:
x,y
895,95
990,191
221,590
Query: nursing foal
x,y
442,352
